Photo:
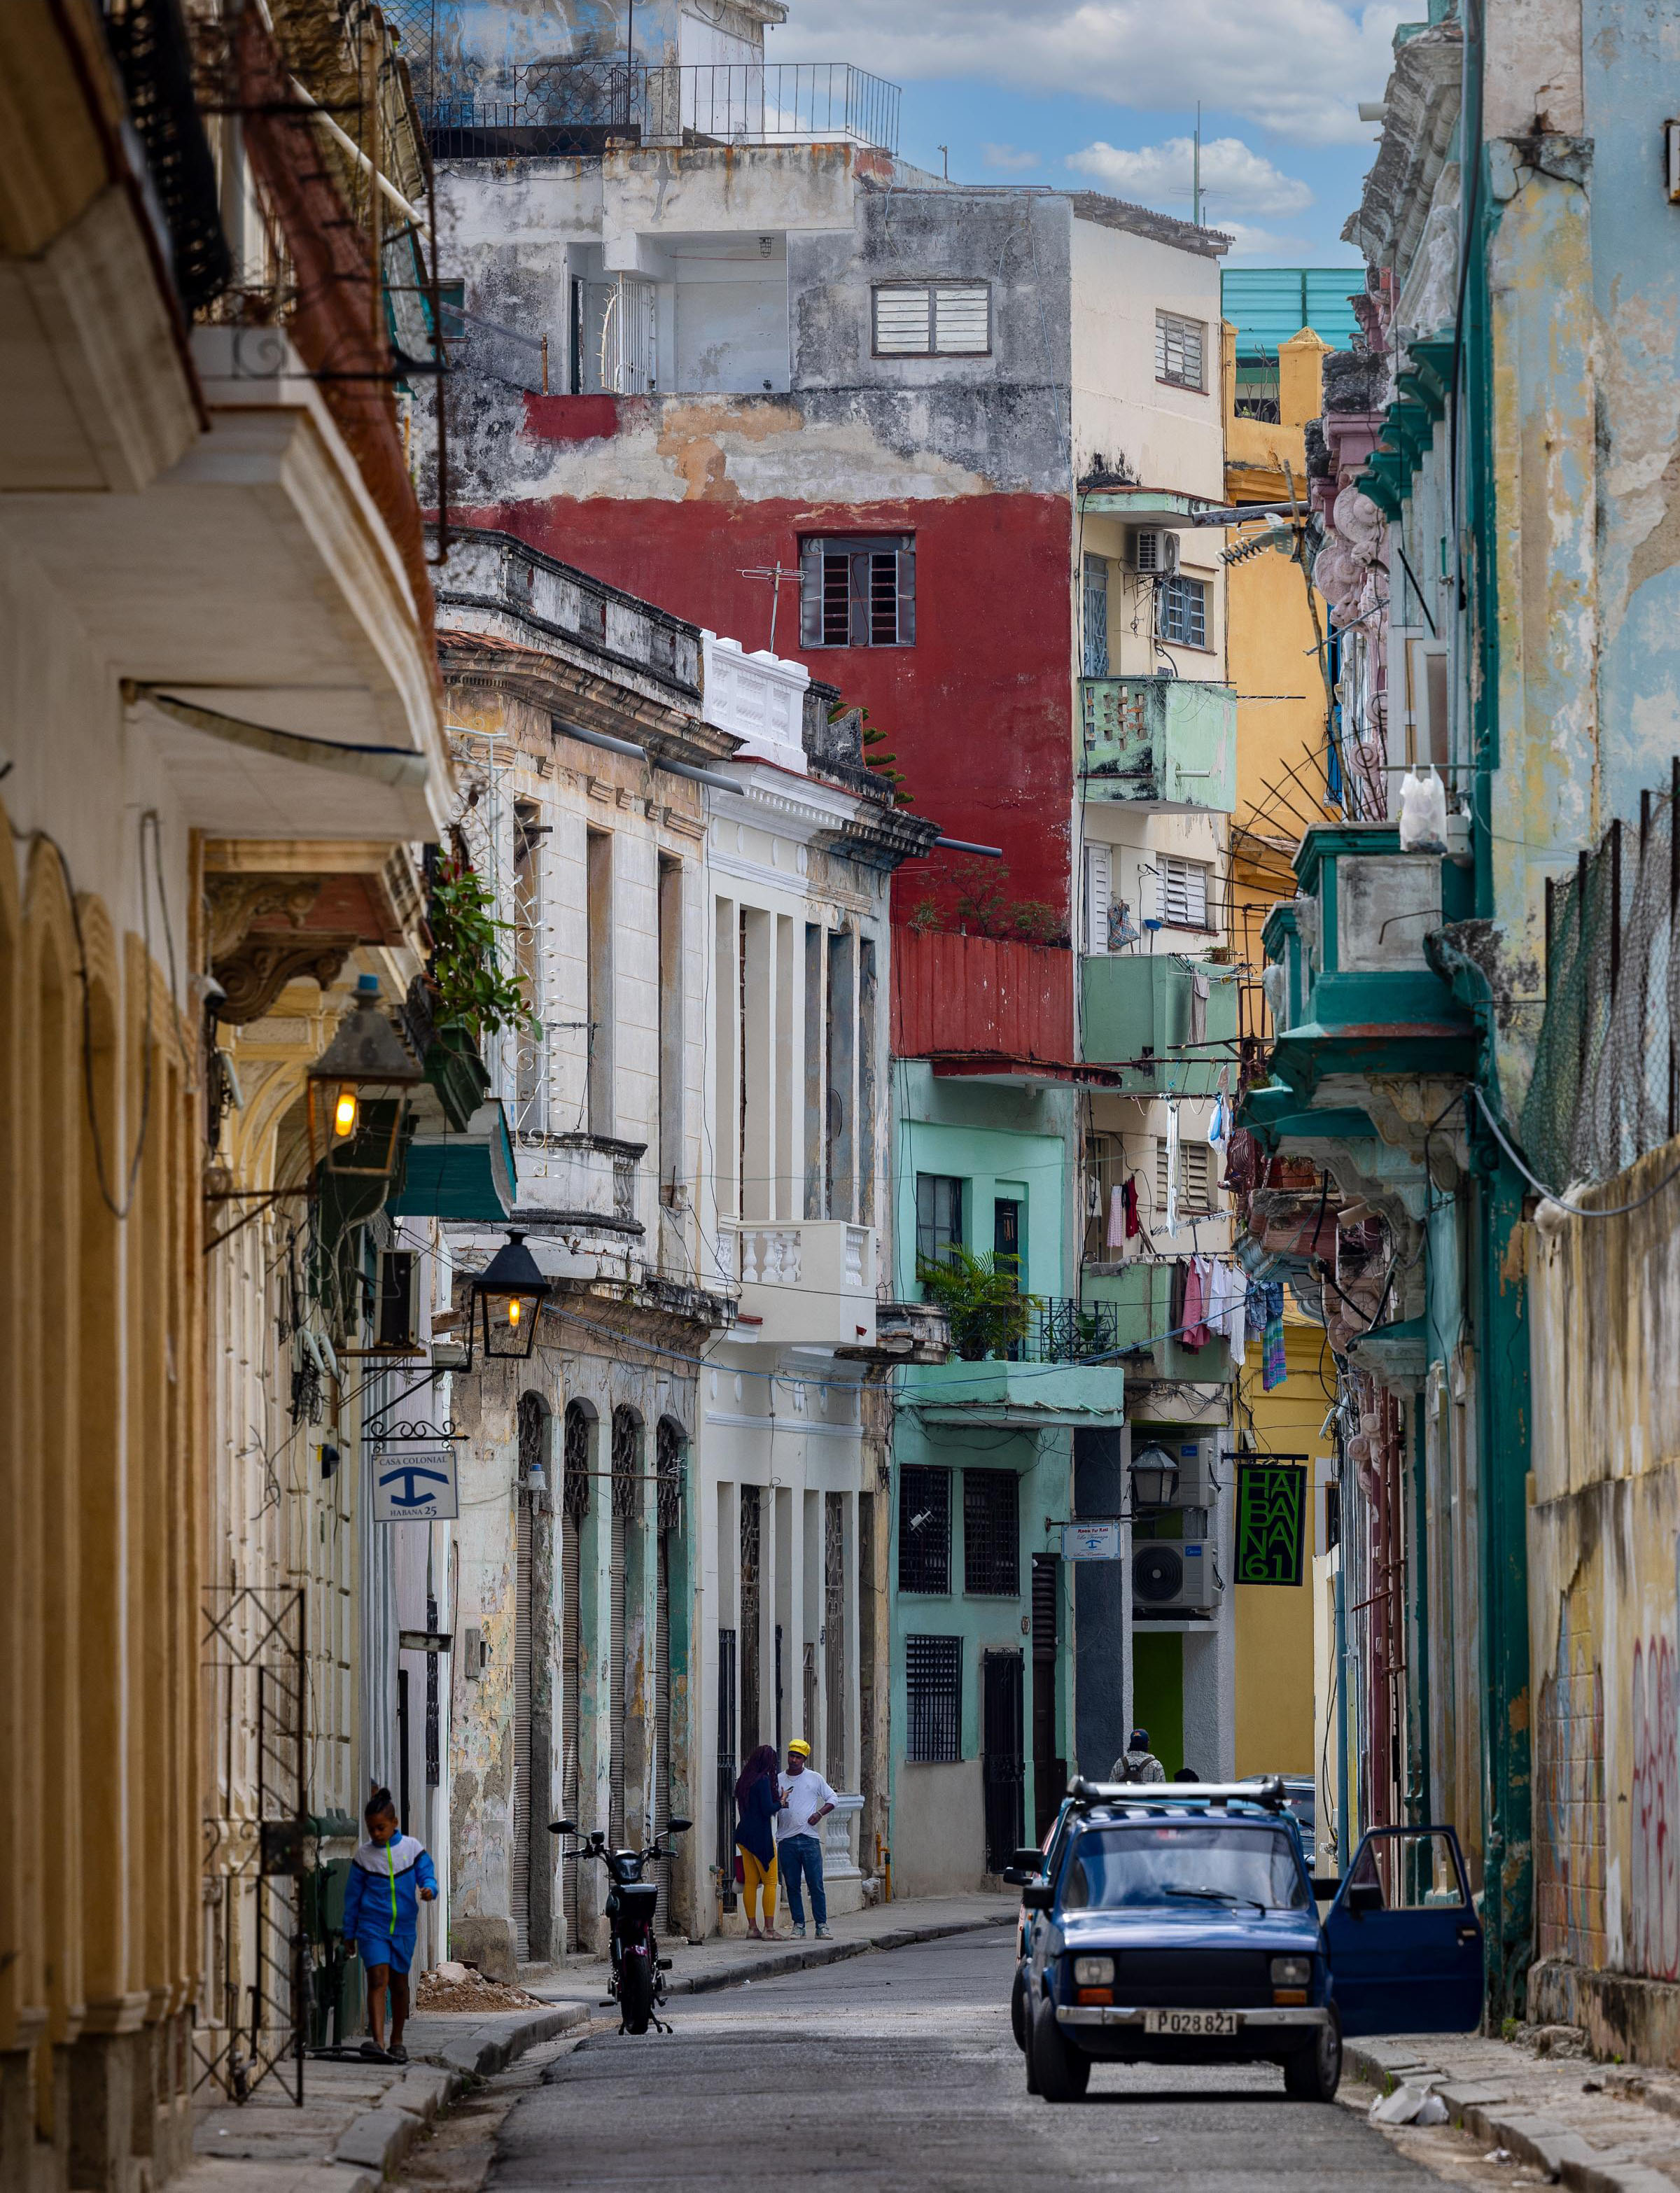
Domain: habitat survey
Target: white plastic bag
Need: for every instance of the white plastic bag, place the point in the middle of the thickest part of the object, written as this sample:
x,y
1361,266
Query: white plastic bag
x,y
1423,811
1409,2105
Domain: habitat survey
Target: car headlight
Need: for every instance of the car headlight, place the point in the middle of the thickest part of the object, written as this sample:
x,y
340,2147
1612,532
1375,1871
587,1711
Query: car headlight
x,y
1291,1971
1094,1972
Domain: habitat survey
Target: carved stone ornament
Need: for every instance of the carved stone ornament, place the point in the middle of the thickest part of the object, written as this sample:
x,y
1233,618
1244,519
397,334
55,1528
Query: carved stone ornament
x,y
235,902
254,976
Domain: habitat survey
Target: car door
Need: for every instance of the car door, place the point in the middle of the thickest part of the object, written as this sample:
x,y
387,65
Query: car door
x,y
1403,1939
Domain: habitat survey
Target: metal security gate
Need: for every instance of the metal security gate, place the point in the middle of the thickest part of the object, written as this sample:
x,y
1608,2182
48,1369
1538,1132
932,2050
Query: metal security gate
x,y
724,1858
1050,1773
254,2015
522,1762
833,1636
626,1508
574,1508
751,1626
667,1488
1003,1756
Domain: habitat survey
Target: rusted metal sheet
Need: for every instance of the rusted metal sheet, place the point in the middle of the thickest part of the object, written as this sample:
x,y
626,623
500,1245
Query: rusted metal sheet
x,y
980,997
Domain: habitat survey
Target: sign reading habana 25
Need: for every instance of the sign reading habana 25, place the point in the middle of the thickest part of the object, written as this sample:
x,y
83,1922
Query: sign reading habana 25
x,y
415,1485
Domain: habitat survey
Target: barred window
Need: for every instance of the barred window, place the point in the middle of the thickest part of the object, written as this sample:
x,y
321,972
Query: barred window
x,y
1180,347
991,1532
924,1529
1181,611
933,1701
932,319
858,592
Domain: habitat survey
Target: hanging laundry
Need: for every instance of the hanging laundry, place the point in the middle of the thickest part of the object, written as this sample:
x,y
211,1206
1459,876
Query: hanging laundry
x,y
1195,1334
1198,1007
1171,1213
1175,1299
1134,1225
1274,1368
1242,1169
1117,1226
1218,1124
1227,1310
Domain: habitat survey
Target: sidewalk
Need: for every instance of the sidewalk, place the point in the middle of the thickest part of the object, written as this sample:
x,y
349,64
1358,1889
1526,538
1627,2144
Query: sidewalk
x,y
359,2120
1597,2127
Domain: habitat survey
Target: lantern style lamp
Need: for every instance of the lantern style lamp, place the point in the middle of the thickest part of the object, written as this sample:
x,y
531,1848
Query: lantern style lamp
x,y
1155,1476
356,1090
508,1295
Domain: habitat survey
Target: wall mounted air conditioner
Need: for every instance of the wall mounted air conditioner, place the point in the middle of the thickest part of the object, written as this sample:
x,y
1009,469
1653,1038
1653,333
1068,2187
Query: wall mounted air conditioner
x,y
1172,1575
1154,551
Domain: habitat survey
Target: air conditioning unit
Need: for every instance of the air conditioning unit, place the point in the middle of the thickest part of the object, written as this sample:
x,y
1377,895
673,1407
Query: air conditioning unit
x,y
1154,551
1172,1575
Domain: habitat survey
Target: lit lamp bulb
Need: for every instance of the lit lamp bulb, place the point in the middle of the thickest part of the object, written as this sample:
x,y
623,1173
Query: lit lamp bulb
x,y
344,1114
514,1310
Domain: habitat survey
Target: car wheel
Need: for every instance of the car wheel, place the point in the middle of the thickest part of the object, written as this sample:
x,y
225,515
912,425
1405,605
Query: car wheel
x,y
1018,2008
1313,2074
1061,2073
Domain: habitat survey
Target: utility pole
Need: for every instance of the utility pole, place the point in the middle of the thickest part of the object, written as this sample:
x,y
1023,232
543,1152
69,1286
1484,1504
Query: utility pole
x,y
1196,168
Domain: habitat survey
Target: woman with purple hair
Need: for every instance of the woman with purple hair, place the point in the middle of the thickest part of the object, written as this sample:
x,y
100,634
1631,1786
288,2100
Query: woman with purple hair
x,y
757,1798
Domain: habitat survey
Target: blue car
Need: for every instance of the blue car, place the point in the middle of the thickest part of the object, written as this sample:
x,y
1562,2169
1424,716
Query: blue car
x,y
1177,1923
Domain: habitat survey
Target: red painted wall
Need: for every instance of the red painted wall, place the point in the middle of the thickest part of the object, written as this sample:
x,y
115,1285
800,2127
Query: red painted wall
x,y
976,711
979,997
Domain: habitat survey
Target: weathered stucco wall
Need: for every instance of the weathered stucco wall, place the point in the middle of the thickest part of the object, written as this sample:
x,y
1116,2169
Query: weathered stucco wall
x,y
1604,1616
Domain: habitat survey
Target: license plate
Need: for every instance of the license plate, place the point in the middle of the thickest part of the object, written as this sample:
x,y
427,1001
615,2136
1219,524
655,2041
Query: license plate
x,y
1187,2023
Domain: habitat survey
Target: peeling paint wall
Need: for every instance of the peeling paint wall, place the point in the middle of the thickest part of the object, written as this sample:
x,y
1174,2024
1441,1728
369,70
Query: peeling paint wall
x,y
1604,1616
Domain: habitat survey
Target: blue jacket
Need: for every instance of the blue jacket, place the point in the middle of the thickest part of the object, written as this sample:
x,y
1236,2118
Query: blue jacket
x,y
381,1897
757,1830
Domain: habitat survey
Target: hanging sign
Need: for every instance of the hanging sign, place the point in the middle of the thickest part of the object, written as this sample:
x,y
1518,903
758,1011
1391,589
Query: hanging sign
x,y
1091,1542
1271,1516
415,1485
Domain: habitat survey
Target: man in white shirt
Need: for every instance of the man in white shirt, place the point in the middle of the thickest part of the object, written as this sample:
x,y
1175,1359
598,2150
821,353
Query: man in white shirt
x,y
807,1799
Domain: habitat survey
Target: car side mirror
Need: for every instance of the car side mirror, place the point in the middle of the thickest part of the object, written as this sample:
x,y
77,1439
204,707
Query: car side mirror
x,y
1364,1897
562,1827
1324,1888
1037,1895
678,1827
1029,1860
1017,1876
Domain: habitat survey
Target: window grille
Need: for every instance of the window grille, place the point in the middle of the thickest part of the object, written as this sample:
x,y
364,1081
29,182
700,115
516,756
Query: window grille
x,y
1180,349
924,1529
1181,891
932,1700
575,1479
932,319
1181,611
991,1532
857,591
668,1472
627,1461
939,1214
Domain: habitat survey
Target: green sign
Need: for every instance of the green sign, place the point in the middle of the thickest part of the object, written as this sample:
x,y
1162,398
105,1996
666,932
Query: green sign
x,y
1271,1520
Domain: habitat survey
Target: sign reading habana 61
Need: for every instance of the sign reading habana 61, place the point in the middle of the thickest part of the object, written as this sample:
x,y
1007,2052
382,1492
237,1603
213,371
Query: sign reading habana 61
x,y
1271,1518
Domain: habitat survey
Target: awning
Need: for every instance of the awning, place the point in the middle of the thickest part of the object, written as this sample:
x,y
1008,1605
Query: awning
x,y
464,1177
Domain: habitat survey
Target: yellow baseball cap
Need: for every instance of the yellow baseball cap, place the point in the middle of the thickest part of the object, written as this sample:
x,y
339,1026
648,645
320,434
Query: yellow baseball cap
x,y
800,1745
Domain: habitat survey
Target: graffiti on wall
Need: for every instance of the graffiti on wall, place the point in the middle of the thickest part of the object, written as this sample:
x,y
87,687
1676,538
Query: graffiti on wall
x,y
1653,1901
1569,1800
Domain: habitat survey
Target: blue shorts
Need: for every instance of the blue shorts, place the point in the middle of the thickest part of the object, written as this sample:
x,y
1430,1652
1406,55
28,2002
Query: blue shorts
x,y
381,1950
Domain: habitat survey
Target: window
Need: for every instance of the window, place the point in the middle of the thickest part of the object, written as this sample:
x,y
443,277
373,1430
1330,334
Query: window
x,y
938,1215
859,593
1181,611
924,1529
933,1701
991,1532
1195,1177
1181,891
1096,616
1180,346
932,319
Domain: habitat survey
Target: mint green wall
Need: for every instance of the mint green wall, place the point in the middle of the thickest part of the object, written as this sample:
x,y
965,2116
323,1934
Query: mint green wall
x,y
1002,1141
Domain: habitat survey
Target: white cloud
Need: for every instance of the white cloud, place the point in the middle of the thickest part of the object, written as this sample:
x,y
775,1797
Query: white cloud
x,y
1008,156
1300,68
1232,175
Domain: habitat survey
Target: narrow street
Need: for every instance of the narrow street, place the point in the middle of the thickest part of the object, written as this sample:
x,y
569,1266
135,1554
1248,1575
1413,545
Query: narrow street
x,y
898,2070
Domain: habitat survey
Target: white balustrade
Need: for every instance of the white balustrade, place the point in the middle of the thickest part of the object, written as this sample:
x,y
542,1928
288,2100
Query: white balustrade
x,y
840,1861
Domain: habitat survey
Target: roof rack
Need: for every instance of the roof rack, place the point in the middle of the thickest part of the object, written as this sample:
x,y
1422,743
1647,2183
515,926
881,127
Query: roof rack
x,y
1267,1792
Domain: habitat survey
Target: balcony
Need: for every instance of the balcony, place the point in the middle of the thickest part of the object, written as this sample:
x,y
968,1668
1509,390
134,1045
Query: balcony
x,y
1142,1018
1350,984
585,1181
813,1280
1133,1303
981,1004
1166,743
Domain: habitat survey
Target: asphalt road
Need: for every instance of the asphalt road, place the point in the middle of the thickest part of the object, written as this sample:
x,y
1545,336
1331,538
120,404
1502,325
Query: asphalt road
x,y
898,2070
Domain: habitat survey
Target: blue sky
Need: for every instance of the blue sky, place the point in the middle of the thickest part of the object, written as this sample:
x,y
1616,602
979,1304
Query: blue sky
x,y
1101,95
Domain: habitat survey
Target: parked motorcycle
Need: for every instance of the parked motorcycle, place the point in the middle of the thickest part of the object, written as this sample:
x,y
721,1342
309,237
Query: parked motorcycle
x,y
637,1982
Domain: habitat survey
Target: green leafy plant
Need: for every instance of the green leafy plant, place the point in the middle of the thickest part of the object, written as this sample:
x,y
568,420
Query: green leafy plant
x,y
980,1296
882,764
473,991
982,904
925,915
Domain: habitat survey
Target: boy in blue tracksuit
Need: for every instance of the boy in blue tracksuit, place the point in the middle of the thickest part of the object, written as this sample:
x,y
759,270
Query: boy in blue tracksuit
x,y
390,1876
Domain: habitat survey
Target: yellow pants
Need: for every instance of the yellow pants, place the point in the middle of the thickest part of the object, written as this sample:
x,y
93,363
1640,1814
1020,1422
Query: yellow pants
x,y
759,1877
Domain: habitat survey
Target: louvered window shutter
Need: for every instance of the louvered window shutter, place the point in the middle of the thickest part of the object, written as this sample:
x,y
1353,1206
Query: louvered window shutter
x,y
1098,894
811,593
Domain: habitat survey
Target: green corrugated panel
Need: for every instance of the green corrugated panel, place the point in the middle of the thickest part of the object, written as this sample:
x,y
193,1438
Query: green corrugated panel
x,y
1268,304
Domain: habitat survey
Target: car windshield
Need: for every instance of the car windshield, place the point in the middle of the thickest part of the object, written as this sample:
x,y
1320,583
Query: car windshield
x,y
1180,1862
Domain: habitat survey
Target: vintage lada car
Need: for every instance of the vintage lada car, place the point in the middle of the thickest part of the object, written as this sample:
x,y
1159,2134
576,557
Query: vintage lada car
x,y
1177,1923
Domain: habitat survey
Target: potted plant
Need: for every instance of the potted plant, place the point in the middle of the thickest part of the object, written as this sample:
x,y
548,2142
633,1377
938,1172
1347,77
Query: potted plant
x,y
980,1296
471,995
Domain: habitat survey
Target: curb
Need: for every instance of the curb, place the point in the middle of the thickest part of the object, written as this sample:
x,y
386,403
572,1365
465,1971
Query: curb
x,y
829,1953
485,2050
1487,2114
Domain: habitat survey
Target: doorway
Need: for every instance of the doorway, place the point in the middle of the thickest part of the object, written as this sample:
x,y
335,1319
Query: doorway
x,y
1002,1755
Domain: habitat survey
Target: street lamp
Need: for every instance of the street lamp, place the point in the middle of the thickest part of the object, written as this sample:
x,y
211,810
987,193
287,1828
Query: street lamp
x,y
355,1091
1155,1476
509,1294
